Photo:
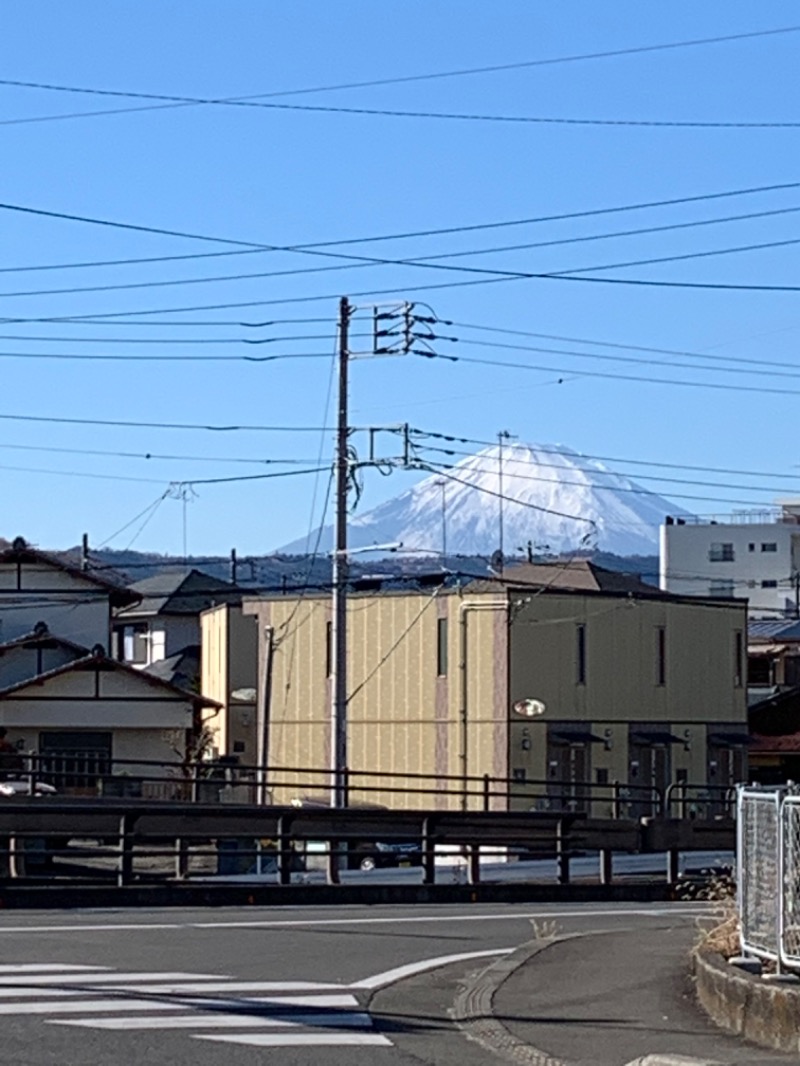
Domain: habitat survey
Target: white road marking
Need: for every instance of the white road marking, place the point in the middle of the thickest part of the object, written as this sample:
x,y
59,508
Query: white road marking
x,y
84,1006
45,967
388,977
301,1039
104,978
173,989
221,1020
638,912
180,1021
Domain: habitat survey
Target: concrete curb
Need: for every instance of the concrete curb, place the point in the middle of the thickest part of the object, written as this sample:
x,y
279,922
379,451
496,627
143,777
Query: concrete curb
x,y
744,1004
472,1010
473,1013
672,1060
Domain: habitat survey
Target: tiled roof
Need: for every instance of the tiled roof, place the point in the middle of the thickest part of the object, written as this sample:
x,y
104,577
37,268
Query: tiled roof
x,y
180,592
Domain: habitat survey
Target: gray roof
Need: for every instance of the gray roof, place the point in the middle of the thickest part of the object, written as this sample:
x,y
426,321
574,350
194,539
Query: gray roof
x,y
180,592
181,669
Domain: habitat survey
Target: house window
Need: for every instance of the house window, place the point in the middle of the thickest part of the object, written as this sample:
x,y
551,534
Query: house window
x,y
661,655
441,647
721,553
738,658
328,649
769,584
580,635
751,547
770,546
132,643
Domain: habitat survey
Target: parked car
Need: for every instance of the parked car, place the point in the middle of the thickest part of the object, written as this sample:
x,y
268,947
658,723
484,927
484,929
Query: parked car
x,y
366,854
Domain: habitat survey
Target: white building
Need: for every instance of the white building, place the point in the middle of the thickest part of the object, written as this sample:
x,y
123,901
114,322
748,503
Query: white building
x,y
752,555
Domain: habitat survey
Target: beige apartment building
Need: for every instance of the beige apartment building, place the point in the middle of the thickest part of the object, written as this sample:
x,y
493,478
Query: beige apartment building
x,y
228,665
570,675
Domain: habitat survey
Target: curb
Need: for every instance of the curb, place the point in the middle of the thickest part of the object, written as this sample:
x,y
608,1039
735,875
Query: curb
x,y
672,1060
472,1010
743,1004
473,1014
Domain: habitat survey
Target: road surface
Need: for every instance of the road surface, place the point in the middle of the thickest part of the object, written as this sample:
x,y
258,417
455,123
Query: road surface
x,y
337,985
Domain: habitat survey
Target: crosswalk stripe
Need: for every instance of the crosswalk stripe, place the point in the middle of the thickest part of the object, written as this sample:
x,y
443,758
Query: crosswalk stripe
x,y
224,986
299,1039
84,1006
48,967
105,978
180,1021
222,1020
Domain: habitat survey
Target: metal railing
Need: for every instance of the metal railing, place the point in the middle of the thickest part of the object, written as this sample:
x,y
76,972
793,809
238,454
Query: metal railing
x,y
57,839
221,781
768,874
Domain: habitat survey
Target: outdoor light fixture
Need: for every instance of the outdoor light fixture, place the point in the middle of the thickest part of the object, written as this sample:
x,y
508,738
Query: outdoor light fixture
x,y
529,708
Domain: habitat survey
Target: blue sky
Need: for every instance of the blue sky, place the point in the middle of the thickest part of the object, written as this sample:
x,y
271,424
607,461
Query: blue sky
x,y
288,177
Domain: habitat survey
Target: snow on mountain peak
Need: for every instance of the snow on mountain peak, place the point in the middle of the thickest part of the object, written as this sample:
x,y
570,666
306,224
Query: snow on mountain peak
x,y
550,496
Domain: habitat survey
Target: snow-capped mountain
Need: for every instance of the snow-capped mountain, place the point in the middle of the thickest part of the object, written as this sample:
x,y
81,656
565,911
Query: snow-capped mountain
x,y
552,497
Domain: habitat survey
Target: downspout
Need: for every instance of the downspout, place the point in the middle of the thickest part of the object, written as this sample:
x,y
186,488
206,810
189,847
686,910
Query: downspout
x,y
463,755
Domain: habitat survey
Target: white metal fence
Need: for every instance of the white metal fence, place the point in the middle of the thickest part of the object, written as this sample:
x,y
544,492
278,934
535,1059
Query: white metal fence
x,y
768,874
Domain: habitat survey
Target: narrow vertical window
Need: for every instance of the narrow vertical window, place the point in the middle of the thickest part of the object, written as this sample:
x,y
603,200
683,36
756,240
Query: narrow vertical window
x,y
328,649
661,655
441,647
738,658
581,654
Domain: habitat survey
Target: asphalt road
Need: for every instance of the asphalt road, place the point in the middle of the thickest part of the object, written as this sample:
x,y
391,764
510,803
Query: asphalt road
x,y
341,986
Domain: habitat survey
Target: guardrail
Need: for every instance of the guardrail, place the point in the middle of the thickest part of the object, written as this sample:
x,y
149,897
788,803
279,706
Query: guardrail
x,y
146,841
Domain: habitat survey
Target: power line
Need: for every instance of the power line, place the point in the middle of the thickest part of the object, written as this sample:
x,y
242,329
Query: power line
x,y
154,457
161,425
613,344
784,370
254,100
252,246
511,460
608,458
498,495
435,261
507,364
85,357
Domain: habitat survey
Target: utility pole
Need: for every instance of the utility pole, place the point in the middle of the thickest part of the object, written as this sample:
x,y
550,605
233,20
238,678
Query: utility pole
x,y
340,573
503,435
443,486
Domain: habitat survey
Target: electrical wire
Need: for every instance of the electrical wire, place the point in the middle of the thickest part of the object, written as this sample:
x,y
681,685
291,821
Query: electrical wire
x,y
594,487
605,458
422,465
783,370
604,375
254,100
159,425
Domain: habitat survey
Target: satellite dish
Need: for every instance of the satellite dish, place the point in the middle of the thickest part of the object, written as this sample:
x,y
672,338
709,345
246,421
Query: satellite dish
x,y
529,708
497,560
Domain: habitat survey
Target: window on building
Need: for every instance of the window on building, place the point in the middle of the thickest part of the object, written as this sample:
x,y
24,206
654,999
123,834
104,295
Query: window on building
x,y
759,671
441,647
738,658
328,649
769,584
721,553
661,655
770,546
580,651
132,643
751,547
722,590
